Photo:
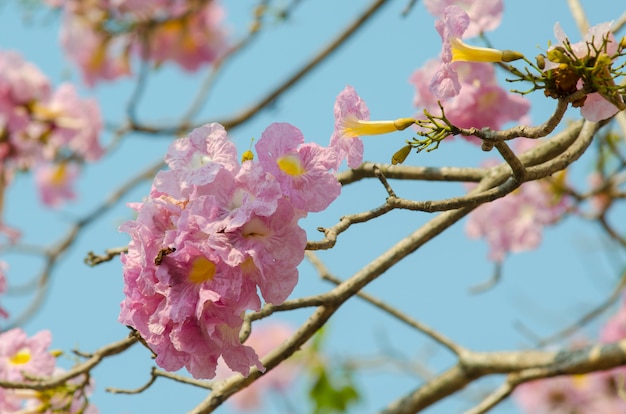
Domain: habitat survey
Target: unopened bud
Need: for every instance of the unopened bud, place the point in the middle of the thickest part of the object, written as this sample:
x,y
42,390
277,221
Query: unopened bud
x,y
511,55
541,61
401,154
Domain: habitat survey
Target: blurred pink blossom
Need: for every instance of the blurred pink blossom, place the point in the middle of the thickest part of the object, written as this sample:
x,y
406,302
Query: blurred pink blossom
x,y
264,338
481,102
515,222
55,182
20,355
188,33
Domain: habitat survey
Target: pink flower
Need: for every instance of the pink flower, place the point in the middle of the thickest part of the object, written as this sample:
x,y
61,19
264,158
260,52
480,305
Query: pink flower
x,y
515,223
453,24
485,15
348,107
275,245
264,338
480,103
301,169
196,160
55,182
21,356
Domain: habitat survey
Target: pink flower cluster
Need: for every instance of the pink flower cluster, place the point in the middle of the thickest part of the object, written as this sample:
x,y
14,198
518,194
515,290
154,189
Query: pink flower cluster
x,y
515,223
23,359
212,233
43,129
480,103
100,36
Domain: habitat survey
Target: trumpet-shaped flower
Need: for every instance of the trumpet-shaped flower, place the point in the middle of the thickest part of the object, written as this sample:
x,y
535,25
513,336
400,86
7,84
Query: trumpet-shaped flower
x,y
451,28
351,122
349,107
303,170
485,15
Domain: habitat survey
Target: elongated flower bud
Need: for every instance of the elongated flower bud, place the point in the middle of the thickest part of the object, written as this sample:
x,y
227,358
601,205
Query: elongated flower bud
x,y
354,127
462,52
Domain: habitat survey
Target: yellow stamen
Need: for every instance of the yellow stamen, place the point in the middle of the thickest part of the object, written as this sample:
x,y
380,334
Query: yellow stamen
x,y
353,127
462,52
202,270
291,165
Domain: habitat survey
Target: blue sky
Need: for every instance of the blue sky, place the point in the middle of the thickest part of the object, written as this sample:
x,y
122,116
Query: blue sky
x,y
574,270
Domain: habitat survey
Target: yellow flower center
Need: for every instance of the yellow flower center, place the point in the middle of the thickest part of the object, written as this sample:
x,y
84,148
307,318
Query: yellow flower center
x,y
202,270
21,357
290,164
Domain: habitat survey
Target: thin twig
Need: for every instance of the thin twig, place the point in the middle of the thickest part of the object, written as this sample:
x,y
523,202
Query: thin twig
x,y
434,335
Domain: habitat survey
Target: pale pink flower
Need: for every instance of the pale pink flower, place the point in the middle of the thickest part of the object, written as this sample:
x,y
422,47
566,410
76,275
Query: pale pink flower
x,y
55,182
485,15
21,356
303,170
264,338
196,160
481,102
348,107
